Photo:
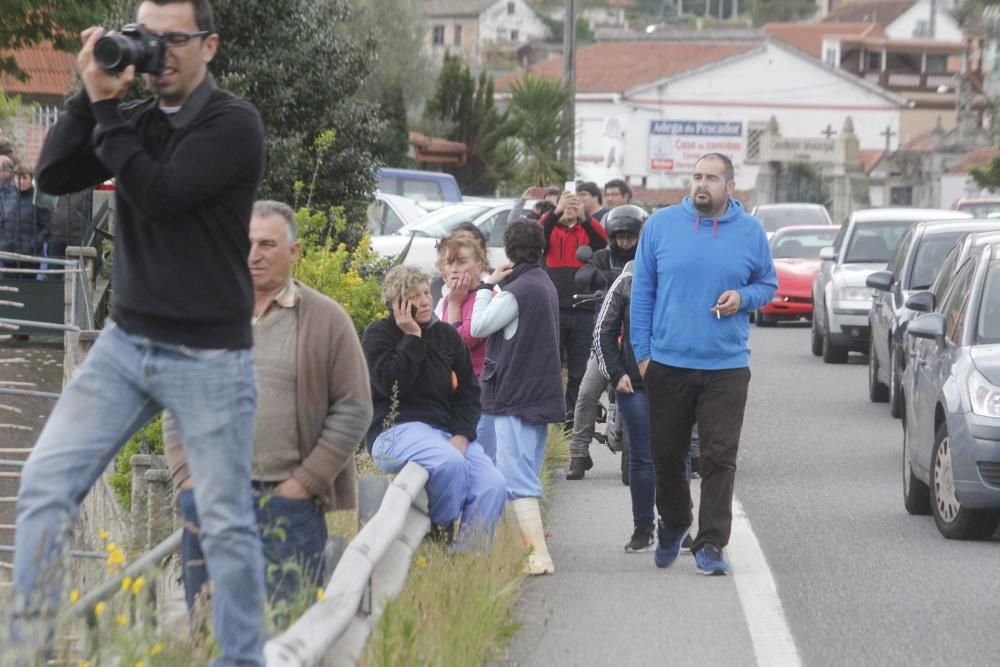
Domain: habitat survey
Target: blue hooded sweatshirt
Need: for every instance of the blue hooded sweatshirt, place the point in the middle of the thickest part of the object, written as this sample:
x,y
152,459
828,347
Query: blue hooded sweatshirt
x,y
684,262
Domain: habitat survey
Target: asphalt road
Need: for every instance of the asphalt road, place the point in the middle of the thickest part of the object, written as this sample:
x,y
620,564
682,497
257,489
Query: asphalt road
x,y
859,580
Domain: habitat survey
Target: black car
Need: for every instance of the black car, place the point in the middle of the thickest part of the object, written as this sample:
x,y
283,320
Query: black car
x,y
913,267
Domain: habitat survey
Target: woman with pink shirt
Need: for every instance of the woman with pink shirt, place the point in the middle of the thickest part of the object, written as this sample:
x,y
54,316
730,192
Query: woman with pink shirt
x,y
462,261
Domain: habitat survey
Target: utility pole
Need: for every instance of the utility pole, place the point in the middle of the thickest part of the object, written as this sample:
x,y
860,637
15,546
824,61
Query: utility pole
x,y
569,80
932,24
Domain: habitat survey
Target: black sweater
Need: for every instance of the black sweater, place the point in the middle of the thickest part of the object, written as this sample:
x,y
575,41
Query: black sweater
x,y
424,370
186,184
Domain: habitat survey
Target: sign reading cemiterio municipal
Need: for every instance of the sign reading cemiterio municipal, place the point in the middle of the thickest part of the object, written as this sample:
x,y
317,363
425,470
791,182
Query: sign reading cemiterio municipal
x,y
676,145
791,149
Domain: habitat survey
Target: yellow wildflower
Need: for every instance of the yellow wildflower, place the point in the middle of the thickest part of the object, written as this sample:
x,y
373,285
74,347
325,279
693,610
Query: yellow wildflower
x,y
111,546
103,535
421,562
156,650
121,619
85,663
115,557
74,595
99,608
126,583
320,595
138,663
138,584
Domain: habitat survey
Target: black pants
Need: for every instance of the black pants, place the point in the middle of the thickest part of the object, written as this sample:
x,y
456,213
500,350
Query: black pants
x,y
576,334
679,398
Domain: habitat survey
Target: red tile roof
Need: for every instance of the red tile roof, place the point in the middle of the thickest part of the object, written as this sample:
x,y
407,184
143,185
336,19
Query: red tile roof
x,y
808,37
978,157
882,13
50,72
615,67
870,158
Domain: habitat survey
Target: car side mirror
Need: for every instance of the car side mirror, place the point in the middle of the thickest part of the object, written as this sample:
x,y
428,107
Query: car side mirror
x,y
828,254
584,253
929,325
880,280
922,302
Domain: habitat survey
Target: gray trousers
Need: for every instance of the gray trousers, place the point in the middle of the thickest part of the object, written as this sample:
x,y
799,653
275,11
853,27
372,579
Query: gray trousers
x,y
586,409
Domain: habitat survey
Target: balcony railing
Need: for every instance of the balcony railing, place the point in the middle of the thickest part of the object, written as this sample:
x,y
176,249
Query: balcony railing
x,y
911,80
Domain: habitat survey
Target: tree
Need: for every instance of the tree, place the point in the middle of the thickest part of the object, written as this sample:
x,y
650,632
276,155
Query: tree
x,y
29,22
401,72
766,11
299,67
987,177
466,106
537,116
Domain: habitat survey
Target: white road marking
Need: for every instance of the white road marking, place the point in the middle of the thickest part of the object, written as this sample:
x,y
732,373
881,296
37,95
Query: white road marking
x,y
773,645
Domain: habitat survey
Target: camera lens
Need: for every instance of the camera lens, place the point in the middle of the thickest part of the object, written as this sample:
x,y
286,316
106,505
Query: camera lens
x,y
111,52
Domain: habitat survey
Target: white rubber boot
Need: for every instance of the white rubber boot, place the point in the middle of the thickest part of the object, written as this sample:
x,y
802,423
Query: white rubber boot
x,y
529,519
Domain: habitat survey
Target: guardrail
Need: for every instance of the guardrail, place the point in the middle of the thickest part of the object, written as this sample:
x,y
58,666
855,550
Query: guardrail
x,y
373,569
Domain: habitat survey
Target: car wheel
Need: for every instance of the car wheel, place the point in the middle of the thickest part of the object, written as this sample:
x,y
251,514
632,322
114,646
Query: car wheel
x,y
817,339
765,320
954,521
894,381
916,494
877,391
832,353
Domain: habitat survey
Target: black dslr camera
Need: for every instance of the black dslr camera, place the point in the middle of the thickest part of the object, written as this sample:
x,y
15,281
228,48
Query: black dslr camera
x,y
132,45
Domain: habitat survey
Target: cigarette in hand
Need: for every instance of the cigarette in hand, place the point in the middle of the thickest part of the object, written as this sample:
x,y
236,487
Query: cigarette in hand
x,y
717,316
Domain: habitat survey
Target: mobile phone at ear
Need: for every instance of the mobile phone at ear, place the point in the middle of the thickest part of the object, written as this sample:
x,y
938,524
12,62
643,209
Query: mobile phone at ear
x,y
413,312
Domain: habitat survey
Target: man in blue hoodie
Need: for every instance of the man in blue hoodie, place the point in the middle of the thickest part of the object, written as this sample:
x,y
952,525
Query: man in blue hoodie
x,y
701,268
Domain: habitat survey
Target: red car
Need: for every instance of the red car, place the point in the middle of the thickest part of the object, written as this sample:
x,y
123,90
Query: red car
x,y
796,259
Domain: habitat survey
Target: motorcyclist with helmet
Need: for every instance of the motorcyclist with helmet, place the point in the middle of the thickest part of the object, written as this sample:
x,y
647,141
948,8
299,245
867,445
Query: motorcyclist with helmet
x,y
622,225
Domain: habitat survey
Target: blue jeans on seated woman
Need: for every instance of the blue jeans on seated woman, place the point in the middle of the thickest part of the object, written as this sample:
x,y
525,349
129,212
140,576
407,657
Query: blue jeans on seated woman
x,y
469,486
293,532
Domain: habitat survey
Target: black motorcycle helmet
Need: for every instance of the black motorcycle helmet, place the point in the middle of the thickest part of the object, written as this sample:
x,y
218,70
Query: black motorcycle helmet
x,y
627,218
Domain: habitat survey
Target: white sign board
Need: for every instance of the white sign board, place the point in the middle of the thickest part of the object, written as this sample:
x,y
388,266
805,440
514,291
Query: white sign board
x,y
790,149
676,145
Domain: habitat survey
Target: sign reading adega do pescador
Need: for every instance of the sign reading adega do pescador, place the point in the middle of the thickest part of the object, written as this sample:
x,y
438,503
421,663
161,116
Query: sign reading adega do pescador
x,y
676,145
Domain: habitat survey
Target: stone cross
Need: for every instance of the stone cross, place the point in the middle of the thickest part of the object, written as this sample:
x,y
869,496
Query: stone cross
x,y
888,134
829,131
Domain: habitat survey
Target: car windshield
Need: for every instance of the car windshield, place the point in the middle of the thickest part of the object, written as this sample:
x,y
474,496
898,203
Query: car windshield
x,y
873,242
980,209
440,222
988,327
776,218
801,244
929,258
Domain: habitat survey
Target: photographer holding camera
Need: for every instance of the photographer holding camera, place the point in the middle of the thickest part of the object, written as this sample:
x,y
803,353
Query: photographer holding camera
x,y
187,163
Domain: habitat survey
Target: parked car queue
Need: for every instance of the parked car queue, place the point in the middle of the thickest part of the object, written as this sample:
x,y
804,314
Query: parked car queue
x,y
918,290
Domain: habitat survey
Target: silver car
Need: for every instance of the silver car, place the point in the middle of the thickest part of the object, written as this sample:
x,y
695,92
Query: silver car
x,y
841,300
951,404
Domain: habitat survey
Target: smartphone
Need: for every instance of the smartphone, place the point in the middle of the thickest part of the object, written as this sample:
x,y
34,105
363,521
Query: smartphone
x,y
413,312
569,186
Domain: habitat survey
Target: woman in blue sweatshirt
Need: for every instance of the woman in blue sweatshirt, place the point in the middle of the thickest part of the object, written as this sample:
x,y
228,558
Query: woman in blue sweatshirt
x,y
701,268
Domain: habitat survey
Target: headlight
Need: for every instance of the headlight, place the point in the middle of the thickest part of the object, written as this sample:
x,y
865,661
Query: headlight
x,y
985,397
854,293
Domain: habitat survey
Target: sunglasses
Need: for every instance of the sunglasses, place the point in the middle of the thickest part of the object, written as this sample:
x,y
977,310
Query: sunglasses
x,y
181,38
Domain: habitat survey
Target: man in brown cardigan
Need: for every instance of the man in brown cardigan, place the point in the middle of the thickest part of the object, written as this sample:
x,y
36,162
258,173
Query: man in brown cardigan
x,y
313,407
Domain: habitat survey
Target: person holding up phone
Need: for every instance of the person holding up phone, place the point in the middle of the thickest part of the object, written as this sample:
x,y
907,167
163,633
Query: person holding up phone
x,y
426,408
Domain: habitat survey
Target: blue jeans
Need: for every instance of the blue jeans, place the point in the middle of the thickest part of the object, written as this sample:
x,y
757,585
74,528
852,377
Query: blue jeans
x,y
641,480
293,532
470,485
124,381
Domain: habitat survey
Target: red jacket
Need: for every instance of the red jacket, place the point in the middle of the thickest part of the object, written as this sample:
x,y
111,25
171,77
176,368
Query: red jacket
x,y
561,243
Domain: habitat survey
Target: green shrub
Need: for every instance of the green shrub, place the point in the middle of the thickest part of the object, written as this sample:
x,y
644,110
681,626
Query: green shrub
x,y
147,440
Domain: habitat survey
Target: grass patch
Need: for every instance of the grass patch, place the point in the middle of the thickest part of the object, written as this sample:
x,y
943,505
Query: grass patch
x,y
460,609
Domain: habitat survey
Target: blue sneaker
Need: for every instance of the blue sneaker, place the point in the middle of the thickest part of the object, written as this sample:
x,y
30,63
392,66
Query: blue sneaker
x,y
668,543
710,561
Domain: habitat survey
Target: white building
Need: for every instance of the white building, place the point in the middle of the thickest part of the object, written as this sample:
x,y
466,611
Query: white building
x,y
475,27
647,110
